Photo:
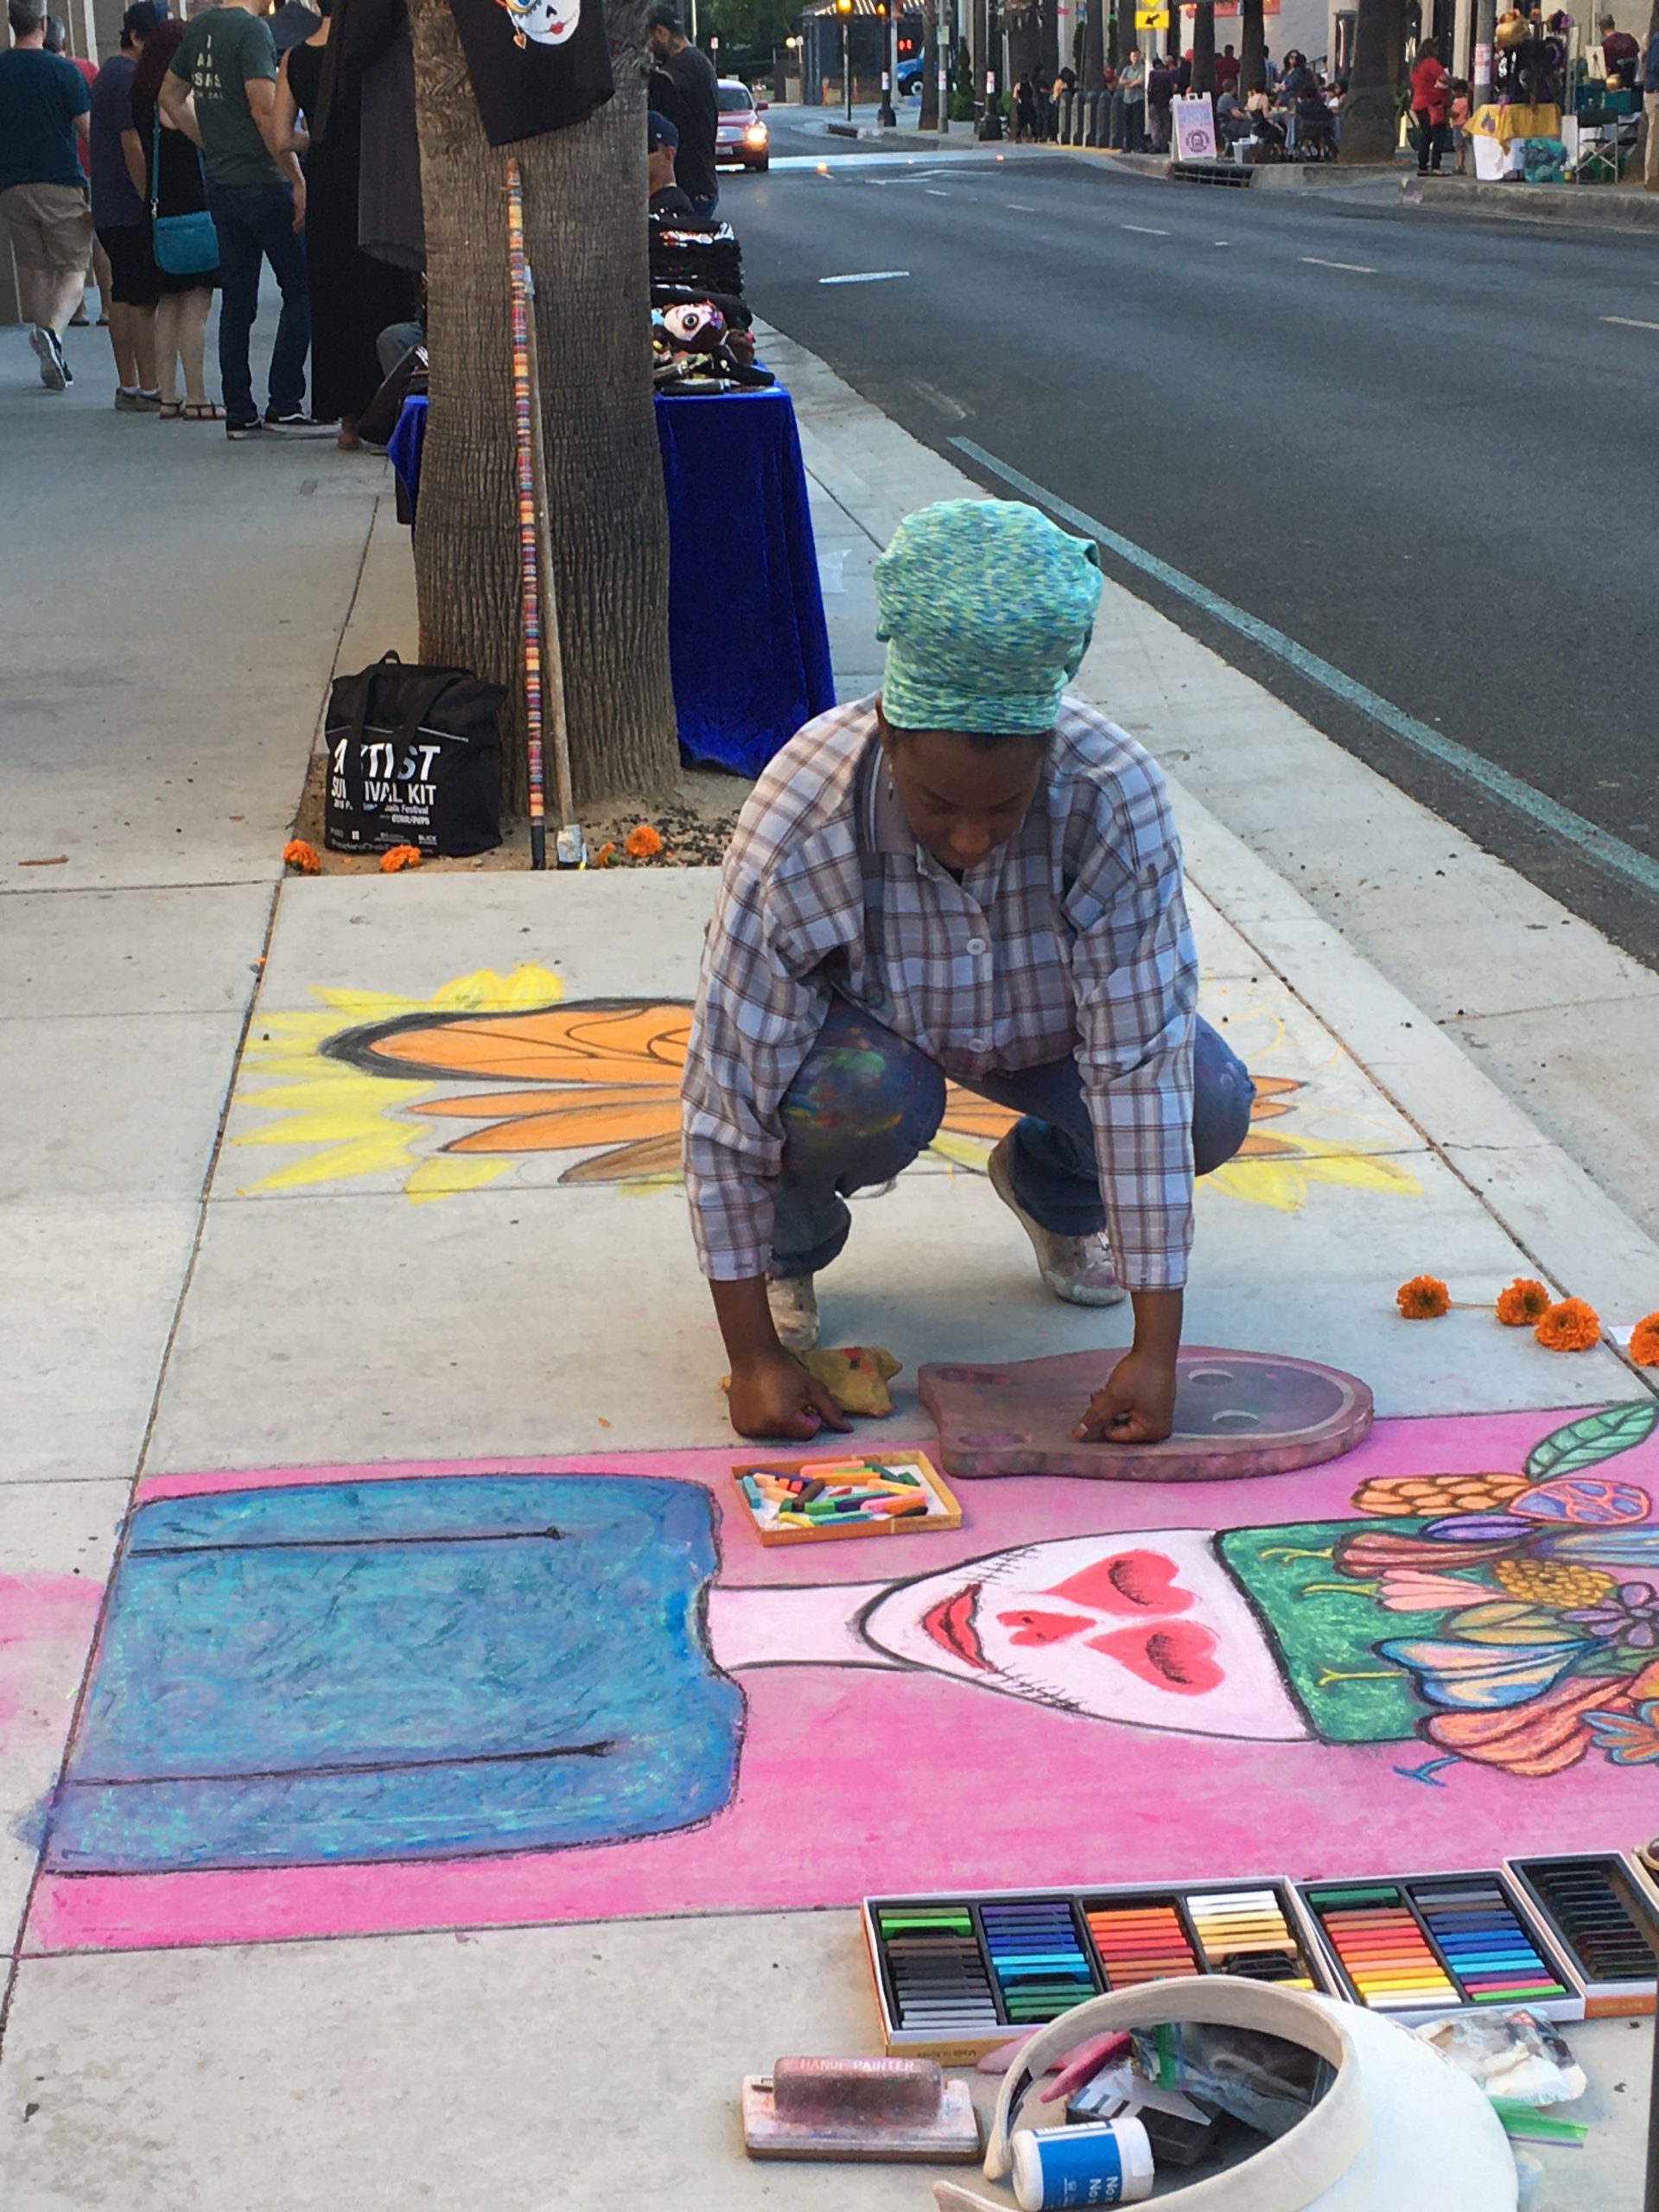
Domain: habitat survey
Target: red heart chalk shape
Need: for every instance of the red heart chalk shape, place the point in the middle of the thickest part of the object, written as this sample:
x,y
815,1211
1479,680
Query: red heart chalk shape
x,y
1042,1628
1178,1657
1132,1582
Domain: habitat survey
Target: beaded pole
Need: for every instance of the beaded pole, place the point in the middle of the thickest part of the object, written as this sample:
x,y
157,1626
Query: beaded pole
x,y
530,548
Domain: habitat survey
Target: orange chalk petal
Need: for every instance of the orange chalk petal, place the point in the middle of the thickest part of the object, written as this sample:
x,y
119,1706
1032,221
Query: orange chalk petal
x,y
301,857
566,1128
1644,1341
615,1045
1523,1304
1425,1298
1573,1325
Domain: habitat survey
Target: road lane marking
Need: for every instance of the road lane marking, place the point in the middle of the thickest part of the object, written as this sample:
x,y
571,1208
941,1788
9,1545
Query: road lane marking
x,y
1145,230
933,192
1629,322
1596,844
1354,268
1019,206
866,276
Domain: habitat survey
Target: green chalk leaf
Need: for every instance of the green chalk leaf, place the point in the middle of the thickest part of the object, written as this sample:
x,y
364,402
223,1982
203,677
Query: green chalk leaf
x,y
1596,1437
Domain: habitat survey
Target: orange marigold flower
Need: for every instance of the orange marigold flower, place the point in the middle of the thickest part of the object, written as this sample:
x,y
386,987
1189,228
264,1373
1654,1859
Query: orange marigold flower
x,y
1425,1298
642,843
399,857
605,856
1523,1304
1644,1341
301,857
1573,1326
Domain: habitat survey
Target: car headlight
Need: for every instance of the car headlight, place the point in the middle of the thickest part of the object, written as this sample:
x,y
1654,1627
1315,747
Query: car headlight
x,y
755,135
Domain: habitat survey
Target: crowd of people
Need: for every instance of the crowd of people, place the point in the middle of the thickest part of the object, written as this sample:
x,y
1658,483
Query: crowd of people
x,y
1295,107
179,169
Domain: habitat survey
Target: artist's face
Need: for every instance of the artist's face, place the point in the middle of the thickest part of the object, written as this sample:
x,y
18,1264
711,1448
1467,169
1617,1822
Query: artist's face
x,y
1146,1628
963,797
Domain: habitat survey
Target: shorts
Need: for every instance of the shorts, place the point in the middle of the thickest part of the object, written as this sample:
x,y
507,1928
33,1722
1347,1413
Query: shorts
x,y
135,281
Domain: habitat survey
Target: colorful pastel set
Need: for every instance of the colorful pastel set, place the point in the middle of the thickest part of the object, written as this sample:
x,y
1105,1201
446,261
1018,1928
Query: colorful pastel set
x,y
816,1501
1603,1913
956,1976
1423,1944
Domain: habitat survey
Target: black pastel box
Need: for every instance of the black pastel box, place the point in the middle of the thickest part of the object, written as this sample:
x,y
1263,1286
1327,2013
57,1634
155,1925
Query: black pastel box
x,y
957,1974
1603,1911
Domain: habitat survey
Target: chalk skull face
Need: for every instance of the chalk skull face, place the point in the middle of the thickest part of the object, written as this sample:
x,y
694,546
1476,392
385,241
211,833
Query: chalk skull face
x,y
549,23
1148,1629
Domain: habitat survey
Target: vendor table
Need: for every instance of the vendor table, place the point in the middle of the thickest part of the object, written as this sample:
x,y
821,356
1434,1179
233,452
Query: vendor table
x,y
747,644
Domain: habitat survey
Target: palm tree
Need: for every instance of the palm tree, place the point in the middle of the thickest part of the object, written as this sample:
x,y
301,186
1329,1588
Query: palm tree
x,y
1094,44
1368,123
929,118
1252,47
585,234
1204,47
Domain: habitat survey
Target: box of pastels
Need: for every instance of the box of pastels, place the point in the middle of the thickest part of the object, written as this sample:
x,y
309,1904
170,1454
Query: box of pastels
x,y
1415,1946
1603,1911
896,1493
957,1974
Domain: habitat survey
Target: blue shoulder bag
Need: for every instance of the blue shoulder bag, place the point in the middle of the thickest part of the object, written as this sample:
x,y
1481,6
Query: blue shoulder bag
x,y
184,245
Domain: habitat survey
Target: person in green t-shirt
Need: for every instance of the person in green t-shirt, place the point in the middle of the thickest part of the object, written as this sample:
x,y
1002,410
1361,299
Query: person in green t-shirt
x,y
221,92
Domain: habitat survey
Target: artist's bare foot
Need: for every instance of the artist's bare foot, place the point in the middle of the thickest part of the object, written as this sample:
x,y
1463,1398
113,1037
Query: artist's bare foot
x,y
794,1303
1076,1268
348,441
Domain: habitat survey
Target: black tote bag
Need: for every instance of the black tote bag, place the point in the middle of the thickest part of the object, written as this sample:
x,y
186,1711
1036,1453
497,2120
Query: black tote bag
x,y
414,759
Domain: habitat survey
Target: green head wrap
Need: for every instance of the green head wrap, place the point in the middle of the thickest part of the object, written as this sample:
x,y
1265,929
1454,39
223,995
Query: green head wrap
x,y
985,607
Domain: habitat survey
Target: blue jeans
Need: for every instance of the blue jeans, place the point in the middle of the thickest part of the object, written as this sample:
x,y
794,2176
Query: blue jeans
x,y
865,1103
256,221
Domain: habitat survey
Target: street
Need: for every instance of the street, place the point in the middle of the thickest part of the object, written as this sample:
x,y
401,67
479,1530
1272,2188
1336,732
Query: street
x,y
1413,446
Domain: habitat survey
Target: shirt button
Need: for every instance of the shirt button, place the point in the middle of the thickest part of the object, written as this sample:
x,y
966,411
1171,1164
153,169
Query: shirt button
x,y
976,944
976,1044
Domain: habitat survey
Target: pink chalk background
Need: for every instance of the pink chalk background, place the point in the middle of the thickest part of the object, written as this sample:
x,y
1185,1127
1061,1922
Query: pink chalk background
x,y
854,1782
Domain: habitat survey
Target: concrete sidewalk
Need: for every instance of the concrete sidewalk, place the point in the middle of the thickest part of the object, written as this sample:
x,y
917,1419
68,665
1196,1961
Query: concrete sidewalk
x,y
242,1245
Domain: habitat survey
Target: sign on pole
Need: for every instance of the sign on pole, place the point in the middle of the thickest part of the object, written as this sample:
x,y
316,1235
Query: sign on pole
x,y
1195,130
1152,19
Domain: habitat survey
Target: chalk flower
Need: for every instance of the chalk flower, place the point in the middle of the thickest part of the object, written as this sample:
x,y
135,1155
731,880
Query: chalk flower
x,y
1409,1590
1628,1616
605,856
1542,1737
1628,1739
398,857
642,843
1524,1305
301,857
1573,1326
1644,1341
1425,1298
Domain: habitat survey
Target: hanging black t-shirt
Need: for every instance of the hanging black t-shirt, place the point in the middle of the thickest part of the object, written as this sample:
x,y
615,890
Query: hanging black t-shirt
x,y
536,65
694,81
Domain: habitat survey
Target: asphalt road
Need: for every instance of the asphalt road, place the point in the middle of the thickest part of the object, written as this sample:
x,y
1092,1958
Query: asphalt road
x,y
1413,446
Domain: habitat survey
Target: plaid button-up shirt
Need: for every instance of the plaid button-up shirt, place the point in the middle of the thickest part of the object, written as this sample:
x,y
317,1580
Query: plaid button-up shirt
x,y
1072,937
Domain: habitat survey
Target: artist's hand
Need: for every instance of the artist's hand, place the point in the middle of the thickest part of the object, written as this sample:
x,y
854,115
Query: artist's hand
x,y
1137,1405
773,1395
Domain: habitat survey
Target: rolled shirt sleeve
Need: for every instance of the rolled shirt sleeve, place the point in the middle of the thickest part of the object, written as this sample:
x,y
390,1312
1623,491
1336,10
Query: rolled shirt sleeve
x,y
1136,975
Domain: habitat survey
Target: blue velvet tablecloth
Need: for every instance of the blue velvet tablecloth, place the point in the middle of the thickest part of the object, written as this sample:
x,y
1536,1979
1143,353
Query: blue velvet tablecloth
x,y
747,640
746,631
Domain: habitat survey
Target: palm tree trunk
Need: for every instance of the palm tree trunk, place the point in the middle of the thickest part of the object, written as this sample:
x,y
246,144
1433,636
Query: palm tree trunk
x,y
585,237
1368,115
1094,44
1252,47
1203,47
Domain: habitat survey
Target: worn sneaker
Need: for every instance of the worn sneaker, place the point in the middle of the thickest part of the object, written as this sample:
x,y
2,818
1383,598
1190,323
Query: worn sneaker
x,y
254,429
1076,1268
300,426
48,352
794,1304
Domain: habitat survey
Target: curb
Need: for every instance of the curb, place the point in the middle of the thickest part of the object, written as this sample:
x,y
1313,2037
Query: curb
x,y
1604,207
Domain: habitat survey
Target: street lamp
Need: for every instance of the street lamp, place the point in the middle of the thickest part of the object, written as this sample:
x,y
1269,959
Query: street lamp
x,y
990,122
843,10
884,114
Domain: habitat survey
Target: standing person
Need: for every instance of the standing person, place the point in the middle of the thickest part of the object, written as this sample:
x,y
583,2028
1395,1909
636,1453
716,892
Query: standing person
x,y
1458,116
353,295
1651,108
121,219
970,877
1431,90
1024,110
1160,91
220,90
292,24
165,168
44,106
1621,55
699,106
1226,71
97,266
1132,87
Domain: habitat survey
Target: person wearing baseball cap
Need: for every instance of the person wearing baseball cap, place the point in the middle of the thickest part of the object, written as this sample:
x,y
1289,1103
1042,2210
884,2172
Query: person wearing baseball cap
x,y
968,878
697,107
121,219
668,197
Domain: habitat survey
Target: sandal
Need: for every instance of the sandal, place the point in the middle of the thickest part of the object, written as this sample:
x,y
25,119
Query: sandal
x,y
171,411
202,410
